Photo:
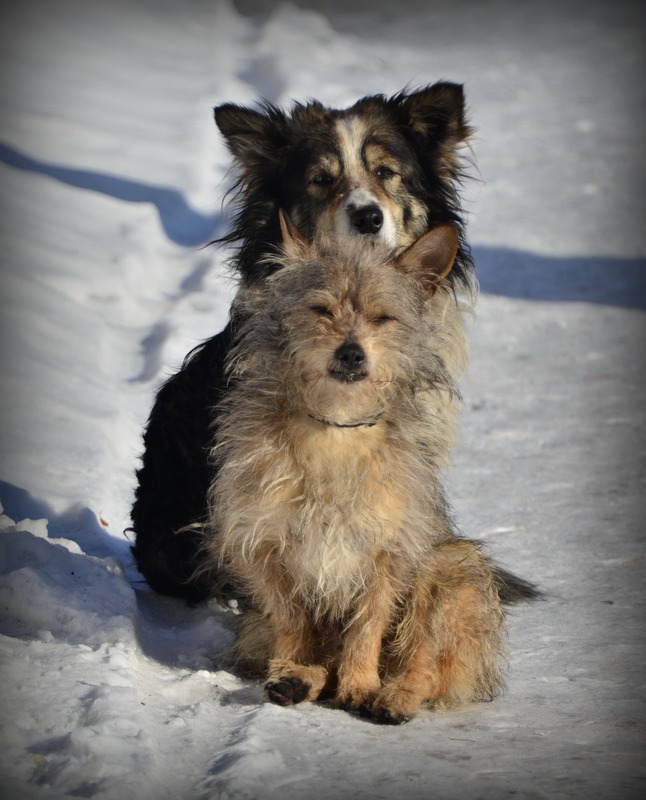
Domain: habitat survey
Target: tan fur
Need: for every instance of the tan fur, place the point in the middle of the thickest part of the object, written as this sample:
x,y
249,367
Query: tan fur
x,y
341,535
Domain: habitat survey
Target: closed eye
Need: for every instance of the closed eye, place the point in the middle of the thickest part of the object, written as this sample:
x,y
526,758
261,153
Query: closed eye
x,y
322,311
383,319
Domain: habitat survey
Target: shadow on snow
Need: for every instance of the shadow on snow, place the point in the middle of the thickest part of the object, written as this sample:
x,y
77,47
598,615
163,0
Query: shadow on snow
x,y
182,224
510,273
77,523
166,628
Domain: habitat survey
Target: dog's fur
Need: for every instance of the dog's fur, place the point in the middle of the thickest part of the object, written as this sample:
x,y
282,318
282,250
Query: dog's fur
x,y
328,507
385,170
382,172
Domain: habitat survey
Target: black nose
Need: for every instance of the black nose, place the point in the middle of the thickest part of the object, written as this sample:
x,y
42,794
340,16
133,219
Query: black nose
x,y
349,362
367,219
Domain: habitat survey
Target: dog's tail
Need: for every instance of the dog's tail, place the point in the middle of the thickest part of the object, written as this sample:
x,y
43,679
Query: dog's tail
x,y
512,589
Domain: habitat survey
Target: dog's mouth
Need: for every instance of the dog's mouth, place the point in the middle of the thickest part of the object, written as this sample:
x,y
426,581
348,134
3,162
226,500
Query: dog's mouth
x,y
348,376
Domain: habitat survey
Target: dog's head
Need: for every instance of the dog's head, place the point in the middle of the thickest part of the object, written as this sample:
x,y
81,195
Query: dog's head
x,y
383,171
349,329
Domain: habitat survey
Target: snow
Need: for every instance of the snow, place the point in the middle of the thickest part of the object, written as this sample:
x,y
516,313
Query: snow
x,y
113,178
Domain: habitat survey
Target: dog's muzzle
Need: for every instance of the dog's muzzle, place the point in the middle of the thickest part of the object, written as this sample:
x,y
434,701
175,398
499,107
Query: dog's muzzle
x,y
349,363
367,219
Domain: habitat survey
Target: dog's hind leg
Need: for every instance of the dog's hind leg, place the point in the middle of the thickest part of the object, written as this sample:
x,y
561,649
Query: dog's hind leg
x,y
448,643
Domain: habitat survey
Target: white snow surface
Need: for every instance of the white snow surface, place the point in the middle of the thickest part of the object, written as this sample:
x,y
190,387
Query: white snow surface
x,y
113,178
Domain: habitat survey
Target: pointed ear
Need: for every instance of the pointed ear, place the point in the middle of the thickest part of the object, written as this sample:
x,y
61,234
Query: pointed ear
x,y
251,135
294,243
430,259
438,112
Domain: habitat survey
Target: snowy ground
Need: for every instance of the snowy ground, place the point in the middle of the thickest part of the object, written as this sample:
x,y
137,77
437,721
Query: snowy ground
x,y
112,179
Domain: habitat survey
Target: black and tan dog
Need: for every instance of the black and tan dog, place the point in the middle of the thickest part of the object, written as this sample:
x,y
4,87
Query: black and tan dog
x,y
380,173
327,508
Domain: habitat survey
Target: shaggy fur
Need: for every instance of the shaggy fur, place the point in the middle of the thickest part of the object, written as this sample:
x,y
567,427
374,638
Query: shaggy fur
x,y
384,170
380,173
328,507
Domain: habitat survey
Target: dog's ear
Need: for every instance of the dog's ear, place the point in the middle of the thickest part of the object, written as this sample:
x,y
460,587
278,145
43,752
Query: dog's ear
x,y
437,116
294,243
438,112
430,259
251,136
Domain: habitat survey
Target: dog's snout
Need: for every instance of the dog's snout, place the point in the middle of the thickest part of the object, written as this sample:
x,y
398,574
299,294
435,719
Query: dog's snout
x,y
350,362
367,219
351,354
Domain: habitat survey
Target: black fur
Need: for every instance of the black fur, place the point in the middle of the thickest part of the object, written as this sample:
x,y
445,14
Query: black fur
x,y
173,481
272,151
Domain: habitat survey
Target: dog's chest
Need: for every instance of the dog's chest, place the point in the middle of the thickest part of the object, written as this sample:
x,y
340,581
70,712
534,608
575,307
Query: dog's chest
x,y
334,536
325,514
330,559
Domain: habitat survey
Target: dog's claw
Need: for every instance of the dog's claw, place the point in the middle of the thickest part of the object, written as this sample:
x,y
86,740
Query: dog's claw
x,y
287,690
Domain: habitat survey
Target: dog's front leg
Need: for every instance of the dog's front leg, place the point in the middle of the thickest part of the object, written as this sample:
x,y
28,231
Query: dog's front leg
x,y
292,677
358,672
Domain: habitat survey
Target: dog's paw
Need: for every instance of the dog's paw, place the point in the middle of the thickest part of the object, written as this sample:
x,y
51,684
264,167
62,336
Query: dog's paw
x,y
386,716
359,703
356,692
287,690
393,705
375,713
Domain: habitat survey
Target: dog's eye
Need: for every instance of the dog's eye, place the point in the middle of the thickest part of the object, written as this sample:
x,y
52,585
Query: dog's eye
x,y
383,172
322,179
383,319
322,311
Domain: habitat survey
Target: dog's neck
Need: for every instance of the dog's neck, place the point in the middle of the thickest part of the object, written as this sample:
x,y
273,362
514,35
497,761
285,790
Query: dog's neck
x,y
366,424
